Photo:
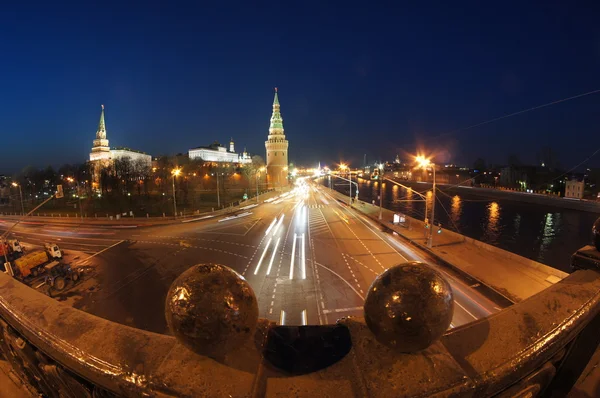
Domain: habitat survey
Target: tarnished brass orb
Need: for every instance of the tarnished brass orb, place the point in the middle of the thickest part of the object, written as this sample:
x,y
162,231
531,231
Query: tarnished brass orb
x,y
211,309
409,306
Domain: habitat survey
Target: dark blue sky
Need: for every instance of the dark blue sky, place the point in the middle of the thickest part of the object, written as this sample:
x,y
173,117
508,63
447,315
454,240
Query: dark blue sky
x,y
354,78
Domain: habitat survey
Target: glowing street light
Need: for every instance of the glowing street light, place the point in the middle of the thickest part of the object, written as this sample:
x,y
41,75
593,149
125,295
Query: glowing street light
x,y
175,173
423,162
380,190
14,184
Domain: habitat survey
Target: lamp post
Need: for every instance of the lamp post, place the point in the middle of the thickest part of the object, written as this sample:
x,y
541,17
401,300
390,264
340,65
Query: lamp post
x,y
380,190
424,162
175,173
14,184
345,167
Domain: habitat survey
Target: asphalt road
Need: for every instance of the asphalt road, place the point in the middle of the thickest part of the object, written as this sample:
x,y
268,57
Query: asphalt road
x,y
309,259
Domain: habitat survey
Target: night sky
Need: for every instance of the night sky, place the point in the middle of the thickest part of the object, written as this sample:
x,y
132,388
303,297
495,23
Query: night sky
x,y
353,78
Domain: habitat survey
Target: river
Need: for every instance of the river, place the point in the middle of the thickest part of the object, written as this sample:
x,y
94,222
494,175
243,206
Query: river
x,y
547,234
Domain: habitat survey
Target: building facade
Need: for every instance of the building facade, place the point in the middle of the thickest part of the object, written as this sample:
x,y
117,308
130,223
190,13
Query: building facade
x,y
219,154
277,149
102,155
574,189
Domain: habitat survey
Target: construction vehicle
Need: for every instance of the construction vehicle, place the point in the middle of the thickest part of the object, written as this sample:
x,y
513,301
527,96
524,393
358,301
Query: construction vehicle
x,y
31,263
57,274
11,248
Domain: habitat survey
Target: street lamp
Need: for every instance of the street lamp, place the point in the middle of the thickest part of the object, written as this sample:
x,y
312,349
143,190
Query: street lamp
x,y
175,173
380,190
345,167
424,162
281,172
14,184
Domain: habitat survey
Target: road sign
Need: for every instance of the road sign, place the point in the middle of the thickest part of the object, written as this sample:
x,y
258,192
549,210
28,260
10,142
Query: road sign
x,y
59,192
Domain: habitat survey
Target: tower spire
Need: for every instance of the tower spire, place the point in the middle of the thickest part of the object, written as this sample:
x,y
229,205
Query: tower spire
x,y
276,127
101,132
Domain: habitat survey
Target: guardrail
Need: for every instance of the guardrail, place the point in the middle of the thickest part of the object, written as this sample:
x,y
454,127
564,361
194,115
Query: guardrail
x,y
220,347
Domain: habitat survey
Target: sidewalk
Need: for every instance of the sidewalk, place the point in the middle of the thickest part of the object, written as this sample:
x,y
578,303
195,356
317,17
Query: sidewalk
x,y
510,275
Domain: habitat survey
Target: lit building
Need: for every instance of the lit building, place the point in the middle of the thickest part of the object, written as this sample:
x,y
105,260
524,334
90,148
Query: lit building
x,y
574,189
277,149
102,155
219,154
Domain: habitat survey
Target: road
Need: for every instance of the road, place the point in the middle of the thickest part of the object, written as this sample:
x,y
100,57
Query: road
x,y
309,259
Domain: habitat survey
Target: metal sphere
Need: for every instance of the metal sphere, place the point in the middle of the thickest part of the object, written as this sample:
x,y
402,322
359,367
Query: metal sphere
x,y
211,309
596,234
409,306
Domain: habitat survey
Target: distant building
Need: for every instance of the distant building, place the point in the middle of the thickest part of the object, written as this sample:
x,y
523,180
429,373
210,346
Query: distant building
x,y
219,154
574,189
102,155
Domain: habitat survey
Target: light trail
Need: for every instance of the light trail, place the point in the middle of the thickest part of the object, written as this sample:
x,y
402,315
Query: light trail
x,y
271,226
293,254
278,224
273,256
262,256
303,258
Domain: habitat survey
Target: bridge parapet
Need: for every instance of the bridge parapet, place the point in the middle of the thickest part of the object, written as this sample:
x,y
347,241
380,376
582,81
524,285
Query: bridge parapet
x,y
546,339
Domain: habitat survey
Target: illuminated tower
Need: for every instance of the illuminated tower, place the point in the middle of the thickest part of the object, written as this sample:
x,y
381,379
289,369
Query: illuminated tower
x,y
100,150
231,145
277,149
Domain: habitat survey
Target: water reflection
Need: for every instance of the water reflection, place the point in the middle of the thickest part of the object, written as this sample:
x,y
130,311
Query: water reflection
x,y
456,211
550,229
493,227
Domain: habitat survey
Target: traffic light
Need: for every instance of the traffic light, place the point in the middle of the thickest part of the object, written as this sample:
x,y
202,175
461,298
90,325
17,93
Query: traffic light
x,y
427,223
439,231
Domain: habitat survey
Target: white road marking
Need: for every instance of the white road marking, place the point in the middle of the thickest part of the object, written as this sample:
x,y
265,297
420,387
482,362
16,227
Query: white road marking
x,y
304,318
339,276
303,263
262,256
278,224
248,207
343,310
467,311
271,226
198,219
282,318
273,256
236,216
292,261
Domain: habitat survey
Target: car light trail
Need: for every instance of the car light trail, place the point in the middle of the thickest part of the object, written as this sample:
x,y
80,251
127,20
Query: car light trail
x,y
271,226
304,320
303,258
278,224
282,318
273,256
262,256
293,254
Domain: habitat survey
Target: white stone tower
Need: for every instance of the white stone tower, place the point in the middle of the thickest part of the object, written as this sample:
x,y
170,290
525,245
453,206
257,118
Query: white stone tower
x,y
100,150
231,146
277,149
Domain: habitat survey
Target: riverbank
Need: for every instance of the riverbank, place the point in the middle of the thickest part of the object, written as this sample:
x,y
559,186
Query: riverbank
x,y
516,196
510,275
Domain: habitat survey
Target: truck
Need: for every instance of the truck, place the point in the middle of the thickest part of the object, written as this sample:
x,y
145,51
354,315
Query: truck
x,y
11,248
31,263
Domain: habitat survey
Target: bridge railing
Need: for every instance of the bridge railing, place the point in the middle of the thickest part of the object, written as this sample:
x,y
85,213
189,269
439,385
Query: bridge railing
x,y
538,344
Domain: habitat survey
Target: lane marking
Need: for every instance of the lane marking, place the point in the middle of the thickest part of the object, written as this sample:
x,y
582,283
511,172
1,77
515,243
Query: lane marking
x,y
273,257
343,310
271,226
282,318
303,258
197,219
467,311
292,261
304,318
262,256
339,276
278,224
